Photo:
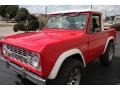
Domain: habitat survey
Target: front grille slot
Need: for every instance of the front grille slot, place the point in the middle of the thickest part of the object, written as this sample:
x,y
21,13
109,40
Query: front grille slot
x,y
18,54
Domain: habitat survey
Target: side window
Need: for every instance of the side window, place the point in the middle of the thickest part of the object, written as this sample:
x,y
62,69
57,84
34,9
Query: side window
x,y
95,24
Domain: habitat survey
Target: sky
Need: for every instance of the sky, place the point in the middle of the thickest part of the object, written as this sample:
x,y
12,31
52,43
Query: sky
x,y
109,10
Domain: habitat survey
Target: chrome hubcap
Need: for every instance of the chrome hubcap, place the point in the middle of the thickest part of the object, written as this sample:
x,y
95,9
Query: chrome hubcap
x,y
75,77
111,53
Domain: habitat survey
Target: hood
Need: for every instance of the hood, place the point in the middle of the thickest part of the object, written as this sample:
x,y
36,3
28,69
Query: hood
x,y
36,41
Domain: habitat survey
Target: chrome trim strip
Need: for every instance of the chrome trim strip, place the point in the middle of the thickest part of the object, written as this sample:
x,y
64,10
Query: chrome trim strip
x,y
29,75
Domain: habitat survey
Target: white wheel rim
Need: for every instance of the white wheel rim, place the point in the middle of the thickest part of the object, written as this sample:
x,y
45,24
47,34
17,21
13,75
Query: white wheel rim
x,y
110,53
75,77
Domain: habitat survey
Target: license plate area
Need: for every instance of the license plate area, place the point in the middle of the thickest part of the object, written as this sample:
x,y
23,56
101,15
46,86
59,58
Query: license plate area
x,y
18,69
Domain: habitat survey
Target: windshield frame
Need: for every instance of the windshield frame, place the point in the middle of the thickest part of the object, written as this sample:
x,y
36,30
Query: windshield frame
x,y
69,14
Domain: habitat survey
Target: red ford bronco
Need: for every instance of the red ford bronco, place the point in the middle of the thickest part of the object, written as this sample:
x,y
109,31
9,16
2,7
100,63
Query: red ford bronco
x,y
60,52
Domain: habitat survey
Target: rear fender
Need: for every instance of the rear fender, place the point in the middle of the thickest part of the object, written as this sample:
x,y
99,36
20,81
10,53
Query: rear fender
x,y
107,42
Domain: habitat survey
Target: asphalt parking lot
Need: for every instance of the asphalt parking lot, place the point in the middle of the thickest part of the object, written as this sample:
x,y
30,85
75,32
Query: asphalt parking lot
x,y
5,31
95,73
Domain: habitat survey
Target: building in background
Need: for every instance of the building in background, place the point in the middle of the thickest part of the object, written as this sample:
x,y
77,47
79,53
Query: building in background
x,y
117,19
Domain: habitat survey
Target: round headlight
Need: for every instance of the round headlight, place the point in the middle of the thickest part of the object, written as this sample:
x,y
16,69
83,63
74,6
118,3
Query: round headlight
x,y
35,61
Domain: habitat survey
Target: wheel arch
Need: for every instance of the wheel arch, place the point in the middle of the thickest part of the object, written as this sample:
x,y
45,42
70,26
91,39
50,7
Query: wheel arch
x,y
110,39
72,53
78,57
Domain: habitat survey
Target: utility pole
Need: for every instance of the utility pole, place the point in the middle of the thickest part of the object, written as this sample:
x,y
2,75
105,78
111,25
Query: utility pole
x,y
105,13
91,7
46,11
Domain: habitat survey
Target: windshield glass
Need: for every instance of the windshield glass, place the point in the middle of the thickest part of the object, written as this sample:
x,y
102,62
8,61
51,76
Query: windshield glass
x,y
67,22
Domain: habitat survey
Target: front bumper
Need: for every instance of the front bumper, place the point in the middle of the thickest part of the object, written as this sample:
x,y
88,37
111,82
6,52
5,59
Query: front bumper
x,y
24,73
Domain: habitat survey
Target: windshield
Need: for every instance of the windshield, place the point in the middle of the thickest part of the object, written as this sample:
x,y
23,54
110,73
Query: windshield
x,y
67,22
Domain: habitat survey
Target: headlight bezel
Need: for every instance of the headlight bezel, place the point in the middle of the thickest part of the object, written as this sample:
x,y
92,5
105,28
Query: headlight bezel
x,y
35,61
4,47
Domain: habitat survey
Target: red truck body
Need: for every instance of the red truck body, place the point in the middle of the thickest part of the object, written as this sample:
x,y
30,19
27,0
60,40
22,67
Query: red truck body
x,y
50,44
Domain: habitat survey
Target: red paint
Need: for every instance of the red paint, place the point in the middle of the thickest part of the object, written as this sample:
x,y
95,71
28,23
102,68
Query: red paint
x,y
50,43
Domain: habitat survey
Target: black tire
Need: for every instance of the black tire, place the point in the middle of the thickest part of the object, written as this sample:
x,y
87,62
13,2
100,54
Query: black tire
x,y
105,59
64,73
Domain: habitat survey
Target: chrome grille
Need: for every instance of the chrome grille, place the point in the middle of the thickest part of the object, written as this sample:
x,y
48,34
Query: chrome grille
x,y
18,54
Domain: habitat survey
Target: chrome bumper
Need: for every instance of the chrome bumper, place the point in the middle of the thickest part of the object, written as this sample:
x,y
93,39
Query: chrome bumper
x,y
24,73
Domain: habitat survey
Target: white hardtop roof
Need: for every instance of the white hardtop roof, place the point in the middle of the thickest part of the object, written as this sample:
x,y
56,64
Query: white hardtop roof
x,y
70,11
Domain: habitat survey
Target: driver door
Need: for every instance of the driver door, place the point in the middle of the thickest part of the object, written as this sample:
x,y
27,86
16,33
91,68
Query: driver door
x,y
95,37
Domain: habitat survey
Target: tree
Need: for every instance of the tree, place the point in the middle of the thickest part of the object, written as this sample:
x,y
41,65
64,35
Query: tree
x,y
112,18
11,10
19,26
107,18
43,18
31,17
3,10
22,14
33,25
41,25
8,11
24,10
